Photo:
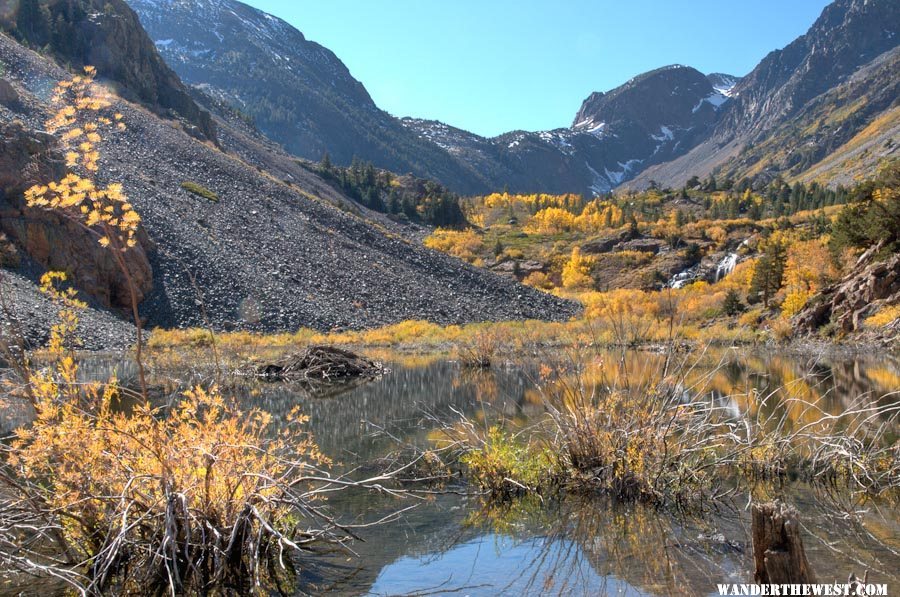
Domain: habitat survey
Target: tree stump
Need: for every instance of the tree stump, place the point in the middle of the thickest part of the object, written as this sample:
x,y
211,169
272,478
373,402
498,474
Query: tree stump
x,y
777,547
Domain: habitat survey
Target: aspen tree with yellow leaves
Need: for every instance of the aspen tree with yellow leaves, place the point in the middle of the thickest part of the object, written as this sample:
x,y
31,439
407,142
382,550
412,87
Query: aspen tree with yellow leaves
x,y
83,113
576,272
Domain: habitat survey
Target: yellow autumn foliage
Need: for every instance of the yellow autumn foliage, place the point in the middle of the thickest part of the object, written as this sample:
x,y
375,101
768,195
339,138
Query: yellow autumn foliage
x,y
106,482
551,220
576,272
464,244
794,301
103,209
885,316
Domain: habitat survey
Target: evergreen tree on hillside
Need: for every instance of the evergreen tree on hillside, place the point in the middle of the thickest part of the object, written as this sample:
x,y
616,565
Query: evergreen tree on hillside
x,y
732,304
325,165
33,22
873,216
768,275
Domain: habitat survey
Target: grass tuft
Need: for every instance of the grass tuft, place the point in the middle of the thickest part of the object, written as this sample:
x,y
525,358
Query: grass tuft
x,y
200,190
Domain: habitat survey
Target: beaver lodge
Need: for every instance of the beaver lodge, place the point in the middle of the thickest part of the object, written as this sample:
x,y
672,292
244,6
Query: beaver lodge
x,y
321,364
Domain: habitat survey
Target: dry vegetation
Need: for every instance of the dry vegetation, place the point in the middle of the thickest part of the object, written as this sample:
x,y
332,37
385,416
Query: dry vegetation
x,y
108,491
637,435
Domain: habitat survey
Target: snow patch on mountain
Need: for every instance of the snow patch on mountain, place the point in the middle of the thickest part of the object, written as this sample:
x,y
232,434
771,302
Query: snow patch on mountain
x,y
726,87
617,176
665,134
715,98
560,139
599,184
588,125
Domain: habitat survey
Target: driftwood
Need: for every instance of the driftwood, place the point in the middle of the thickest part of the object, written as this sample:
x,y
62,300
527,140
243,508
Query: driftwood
x,y
777,547
320,364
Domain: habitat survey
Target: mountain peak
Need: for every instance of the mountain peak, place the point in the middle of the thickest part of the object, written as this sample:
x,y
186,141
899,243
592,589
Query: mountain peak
x,y
670,95
723,83
302,96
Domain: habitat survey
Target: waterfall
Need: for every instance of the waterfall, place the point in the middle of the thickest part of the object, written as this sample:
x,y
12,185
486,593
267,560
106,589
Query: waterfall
x,y
684,278
726,266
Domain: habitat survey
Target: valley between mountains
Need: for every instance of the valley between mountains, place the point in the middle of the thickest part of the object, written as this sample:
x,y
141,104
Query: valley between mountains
x,y
259,336
275,195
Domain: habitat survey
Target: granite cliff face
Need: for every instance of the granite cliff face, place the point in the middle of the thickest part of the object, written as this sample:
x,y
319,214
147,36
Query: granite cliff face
x,y
107,34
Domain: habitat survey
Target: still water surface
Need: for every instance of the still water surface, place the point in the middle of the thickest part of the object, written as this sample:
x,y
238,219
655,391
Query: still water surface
x,y
450,545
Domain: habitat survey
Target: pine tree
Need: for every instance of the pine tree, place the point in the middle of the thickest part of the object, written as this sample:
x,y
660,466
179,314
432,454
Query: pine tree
x,y
32,22
325,165
732,304
768,275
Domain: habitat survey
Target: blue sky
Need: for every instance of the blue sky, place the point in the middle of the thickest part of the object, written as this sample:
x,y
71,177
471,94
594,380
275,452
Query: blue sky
x,y
490,66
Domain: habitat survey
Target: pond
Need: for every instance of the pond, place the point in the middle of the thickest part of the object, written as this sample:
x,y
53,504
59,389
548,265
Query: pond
x,y
450,544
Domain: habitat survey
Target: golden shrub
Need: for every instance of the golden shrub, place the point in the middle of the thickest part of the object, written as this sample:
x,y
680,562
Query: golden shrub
x,y
885,316
794,301
464,244
538,280
151,499
576,272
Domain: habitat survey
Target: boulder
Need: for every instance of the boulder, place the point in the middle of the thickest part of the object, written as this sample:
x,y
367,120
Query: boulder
x,y
53,240
847,303
9,97
605,244
644,245
523,268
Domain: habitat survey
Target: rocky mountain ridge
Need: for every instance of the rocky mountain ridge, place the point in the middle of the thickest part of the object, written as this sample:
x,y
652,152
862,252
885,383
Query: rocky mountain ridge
x,y
661,126
303,97
296,91
849,39
648,120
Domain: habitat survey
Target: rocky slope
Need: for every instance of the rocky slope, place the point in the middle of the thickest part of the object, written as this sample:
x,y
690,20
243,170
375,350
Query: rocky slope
x,y
273,252
32,315
871,284
856,121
